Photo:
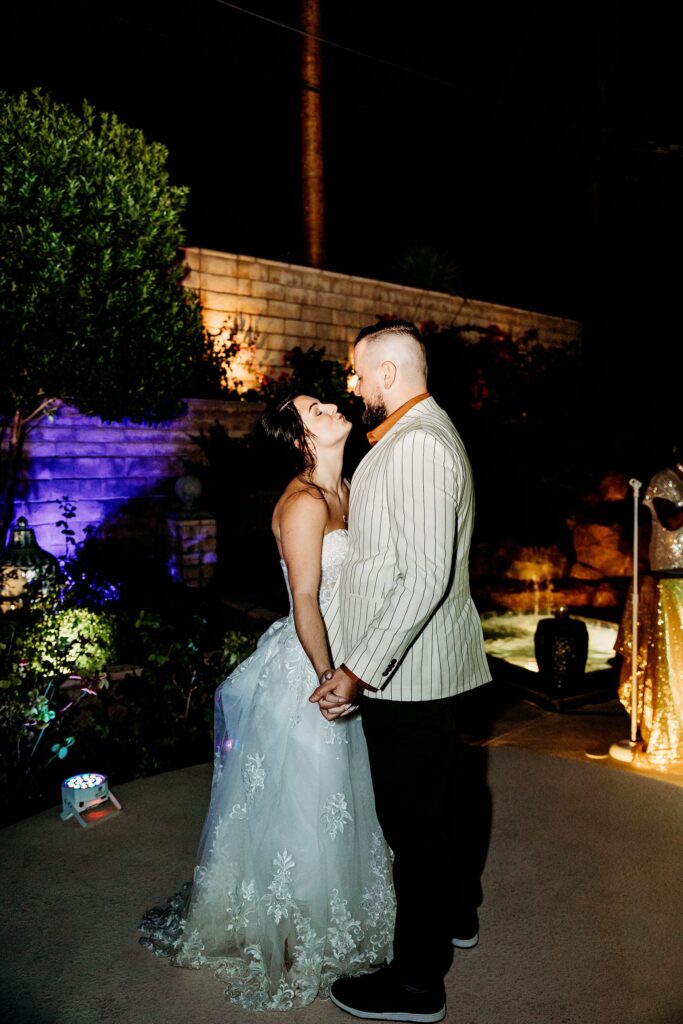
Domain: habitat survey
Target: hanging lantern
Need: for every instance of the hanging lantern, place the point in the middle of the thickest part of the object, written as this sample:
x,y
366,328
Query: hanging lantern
x,y
23,561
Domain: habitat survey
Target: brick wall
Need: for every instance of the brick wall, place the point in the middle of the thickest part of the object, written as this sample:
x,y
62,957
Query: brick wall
x,y
119,475
287,305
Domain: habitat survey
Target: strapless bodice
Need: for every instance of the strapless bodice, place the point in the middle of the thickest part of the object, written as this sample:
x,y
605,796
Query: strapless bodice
x,y
335,544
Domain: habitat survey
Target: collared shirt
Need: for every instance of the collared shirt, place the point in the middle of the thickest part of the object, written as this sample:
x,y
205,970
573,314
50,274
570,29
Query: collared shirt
x,y
385,426
373,437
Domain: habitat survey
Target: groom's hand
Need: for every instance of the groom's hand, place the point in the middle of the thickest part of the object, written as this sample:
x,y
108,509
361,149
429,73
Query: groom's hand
x,y
336,695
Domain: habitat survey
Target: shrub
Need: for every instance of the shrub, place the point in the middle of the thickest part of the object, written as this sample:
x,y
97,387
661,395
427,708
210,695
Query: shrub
x,y
91,303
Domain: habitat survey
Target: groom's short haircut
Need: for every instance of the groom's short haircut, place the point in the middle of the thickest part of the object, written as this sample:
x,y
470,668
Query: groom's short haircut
x,y
403,329
375,331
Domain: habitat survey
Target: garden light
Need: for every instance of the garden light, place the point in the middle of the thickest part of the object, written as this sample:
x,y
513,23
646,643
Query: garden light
x,y
81,793
23,562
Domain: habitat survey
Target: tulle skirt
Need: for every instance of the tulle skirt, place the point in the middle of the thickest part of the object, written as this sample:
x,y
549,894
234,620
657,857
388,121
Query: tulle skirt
x,y
292,886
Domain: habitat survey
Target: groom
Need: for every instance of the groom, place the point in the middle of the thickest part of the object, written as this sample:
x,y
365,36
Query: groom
x,y
412,643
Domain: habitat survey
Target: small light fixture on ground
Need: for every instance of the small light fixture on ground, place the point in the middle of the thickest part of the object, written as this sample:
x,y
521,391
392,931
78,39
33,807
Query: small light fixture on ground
x,y
82,793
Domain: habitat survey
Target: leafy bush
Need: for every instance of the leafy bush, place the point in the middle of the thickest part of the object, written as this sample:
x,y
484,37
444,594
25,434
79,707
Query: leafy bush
x,y
92,308
229,355
70,641
51,675
236,648
307,372
91,302
60,698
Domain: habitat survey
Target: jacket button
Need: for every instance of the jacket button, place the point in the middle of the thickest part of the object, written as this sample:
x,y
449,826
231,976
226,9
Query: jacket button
x,y
389,667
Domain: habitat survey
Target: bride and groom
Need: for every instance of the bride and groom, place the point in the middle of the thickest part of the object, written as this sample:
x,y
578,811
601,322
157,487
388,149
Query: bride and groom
x,y
295,894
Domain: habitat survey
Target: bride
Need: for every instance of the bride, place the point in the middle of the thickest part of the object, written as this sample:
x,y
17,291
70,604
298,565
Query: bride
x,y
292,884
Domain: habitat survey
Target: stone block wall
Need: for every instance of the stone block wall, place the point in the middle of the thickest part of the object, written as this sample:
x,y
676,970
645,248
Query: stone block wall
x,y
287,305
120,476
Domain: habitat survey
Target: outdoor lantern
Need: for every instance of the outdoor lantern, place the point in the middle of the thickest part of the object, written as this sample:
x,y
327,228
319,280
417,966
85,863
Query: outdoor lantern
x,y
81,793
23,562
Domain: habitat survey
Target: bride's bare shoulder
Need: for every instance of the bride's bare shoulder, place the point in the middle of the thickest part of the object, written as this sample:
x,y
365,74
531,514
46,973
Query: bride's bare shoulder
x,y
300,500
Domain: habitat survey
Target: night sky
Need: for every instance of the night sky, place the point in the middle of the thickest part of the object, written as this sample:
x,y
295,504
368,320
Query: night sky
x,y
540,149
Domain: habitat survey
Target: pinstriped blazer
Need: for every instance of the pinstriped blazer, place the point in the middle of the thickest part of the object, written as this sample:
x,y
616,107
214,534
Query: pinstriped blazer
x,y
402,617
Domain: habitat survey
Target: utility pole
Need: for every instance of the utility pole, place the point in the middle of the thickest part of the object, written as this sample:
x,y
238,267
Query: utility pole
x,y
312,135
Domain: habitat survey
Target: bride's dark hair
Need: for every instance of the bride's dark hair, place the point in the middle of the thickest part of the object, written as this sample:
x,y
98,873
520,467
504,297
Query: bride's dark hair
x,y
282,424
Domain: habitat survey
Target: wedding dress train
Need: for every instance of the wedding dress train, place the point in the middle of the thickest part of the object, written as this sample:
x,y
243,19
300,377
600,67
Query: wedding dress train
x,y
292,886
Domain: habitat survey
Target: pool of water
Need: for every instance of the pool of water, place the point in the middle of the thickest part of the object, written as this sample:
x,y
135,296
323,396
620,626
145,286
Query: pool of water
x,y
510,636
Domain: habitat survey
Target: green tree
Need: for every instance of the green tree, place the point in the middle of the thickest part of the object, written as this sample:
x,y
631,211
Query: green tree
x,y
92,309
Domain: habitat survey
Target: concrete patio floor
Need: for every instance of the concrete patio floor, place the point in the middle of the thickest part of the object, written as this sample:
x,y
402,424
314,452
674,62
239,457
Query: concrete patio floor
x,y
583,733
581,922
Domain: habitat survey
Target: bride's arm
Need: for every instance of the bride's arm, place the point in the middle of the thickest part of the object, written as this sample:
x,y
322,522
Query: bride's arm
x,y
302,525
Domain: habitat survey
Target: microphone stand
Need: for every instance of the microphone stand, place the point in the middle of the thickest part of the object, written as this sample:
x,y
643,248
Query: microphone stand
x,y
625,750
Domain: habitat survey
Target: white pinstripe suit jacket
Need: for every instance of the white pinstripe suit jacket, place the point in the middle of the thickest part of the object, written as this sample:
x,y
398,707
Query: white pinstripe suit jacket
x,y
402,617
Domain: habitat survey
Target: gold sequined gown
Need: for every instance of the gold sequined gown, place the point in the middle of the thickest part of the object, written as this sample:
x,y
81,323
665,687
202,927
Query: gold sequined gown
x,y
660,635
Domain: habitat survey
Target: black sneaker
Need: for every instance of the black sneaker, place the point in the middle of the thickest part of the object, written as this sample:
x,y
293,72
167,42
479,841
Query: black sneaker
x,y
380,996
466,931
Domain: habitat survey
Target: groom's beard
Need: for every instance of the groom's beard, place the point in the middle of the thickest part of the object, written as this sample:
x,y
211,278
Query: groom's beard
x,y
375,412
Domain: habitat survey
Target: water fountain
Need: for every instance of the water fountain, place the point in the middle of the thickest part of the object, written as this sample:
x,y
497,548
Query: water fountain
x,y
509,639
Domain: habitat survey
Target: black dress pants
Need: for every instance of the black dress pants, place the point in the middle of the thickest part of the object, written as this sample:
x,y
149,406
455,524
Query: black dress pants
x,y
431,806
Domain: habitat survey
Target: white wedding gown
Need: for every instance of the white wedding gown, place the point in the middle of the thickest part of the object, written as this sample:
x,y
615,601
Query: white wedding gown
x,y
292,886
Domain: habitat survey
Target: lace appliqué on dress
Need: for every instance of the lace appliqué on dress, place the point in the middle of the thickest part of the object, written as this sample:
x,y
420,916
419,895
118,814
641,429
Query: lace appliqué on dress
x,y
347,946
335,814
279,898
253,774
292,886
335,733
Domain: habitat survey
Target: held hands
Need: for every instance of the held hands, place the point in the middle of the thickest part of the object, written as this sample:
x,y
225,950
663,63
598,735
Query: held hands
x,y
336,694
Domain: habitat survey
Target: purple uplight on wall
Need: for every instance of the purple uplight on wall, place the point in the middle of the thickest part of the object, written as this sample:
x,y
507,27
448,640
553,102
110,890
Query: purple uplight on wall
x,y
113,473
119,476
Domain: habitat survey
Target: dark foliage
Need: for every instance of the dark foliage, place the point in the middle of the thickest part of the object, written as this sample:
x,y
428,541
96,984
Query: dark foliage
x,y
91,303
516,404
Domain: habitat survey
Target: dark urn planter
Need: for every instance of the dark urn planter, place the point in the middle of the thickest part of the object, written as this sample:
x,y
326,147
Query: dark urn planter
x,y
561,648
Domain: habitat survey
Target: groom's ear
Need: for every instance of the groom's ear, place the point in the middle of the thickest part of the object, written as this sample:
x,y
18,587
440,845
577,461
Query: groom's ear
x,y
388,371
